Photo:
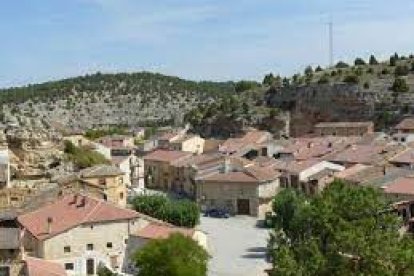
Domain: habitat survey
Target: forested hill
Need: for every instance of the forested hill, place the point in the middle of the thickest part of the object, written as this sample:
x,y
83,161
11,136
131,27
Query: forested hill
x,y
124,98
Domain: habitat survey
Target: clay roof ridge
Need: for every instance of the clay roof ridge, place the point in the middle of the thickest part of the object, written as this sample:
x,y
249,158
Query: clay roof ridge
x,y
86,218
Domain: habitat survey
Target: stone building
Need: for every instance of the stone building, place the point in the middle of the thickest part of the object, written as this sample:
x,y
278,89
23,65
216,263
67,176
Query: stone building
x,y
80,233
240,189
102,182
344,128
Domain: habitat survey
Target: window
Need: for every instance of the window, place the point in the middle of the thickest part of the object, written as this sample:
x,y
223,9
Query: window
x,y
89,246
66,249
5,270
102,181
109,244
69,266
121,195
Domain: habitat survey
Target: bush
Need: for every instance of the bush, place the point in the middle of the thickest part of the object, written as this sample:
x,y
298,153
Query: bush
x,y
400,85
178,212
385,71
83,157
318,69
412,67
401,70
359,61
243,85
175,256
366,85
341,64
308,71
370,71
324,79
352,79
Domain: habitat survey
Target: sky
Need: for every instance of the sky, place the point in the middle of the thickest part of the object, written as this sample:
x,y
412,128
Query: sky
x,y
218,40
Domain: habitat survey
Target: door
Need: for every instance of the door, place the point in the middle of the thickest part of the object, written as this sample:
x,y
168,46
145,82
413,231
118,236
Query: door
x,y
243,207
90,267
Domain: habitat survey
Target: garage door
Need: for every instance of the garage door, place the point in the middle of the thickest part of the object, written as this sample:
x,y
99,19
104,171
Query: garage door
x,y
243,207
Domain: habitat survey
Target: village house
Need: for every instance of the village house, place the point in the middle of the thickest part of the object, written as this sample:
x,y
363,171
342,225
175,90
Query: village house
x,y
117,141
400,189
239,187
159,172
101,181
404,159
405,126
343,128
309,176
80,233
377,155
254,143
188,143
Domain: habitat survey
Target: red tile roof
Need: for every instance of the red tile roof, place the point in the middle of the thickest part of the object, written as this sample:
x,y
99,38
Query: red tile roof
x,y
69,212
403,185
344,124
40,267
406,124
166,155
158,231
406,157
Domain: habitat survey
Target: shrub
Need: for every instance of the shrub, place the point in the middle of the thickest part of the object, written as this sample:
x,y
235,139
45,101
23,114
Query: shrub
x,y
370,71
393,61
385,71
401,70
83,157
244,85
175,256
359,61
341,64
308,70
400,85
178,212
352,79
412,67
318,69
324,79
366,85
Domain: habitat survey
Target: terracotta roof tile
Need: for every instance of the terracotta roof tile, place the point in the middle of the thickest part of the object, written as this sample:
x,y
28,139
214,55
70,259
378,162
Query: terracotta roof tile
x,y
167,155
406,156
40,267
406,124
158,231
403,185
344,124
71,211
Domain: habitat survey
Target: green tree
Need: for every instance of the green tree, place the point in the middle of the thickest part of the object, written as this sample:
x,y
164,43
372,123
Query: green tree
x,y
400,85
401,70
175,256
178,212
341,65
359,61
318,69
324,79
271,80
372,60
345,230
352,79
244,85
308,71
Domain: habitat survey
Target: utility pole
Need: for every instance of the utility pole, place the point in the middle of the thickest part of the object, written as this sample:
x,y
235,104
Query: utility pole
x,y
331,55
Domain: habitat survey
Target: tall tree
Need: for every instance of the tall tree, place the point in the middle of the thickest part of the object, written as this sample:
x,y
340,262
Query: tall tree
x,y
176,256
346,230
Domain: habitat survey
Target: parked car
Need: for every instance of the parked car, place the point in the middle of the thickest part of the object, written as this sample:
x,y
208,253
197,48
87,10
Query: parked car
x,y
216,213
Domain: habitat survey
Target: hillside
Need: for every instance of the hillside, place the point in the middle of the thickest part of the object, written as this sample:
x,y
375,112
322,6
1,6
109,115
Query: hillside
x,y
365,90
131,99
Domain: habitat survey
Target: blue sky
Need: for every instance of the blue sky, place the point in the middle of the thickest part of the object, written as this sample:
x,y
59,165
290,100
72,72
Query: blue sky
x,y
197,39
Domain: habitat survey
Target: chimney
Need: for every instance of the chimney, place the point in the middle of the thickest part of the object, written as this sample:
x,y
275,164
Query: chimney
x,y
227,165
82,202
49,224
75,198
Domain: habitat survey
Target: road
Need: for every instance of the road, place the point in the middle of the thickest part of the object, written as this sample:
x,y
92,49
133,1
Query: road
x,y
236,245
